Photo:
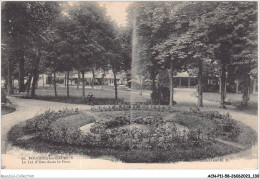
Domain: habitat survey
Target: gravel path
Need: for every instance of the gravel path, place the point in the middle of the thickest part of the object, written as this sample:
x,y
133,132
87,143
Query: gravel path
x,y
27,108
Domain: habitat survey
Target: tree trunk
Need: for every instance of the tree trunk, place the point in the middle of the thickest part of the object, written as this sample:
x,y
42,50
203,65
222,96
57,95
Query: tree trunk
x,y
78,80
29,85
6,81
237,84
171,83
9,81
115,84
103,77
225,91
93,80
34,83
254,86
141,88
43,81
223,82
153,85
246,89
54,84
200,99
35,74
65,79
220,83
83,86
21,74
68,77
35,80
102,82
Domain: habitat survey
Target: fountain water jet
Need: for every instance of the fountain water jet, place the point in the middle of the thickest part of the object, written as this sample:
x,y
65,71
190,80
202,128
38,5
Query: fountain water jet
x,y
135,58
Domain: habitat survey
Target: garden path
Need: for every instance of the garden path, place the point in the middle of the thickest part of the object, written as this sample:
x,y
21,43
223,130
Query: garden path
x,y
27,108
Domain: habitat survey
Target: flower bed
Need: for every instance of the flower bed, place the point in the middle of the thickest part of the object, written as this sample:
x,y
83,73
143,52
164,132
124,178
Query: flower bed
x,y
160,141
225,126
106,133
42,122
162,108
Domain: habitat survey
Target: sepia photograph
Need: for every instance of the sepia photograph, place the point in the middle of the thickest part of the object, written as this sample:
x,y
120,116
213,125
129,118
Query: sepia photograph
x,y
130,85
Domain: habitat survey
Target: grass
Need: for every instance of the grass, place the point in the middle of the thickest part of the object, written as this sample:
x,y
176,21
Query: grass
x,y
247,136
193,122
77,100
235,99
107,92
73,122
103,97
185,152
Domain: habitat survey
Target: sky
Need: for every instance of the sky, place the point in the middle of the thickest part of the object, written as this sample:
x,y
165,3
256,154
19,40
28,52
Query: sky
x,y
117,11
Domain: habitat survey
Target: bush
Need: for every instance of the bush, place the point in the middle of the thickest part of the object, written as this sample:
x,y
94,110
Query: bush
x,y
210,88
3,96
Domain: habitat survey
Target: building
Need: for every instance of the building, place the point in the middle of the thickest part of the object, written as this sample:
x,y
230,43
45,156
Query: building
x,y
74,77
184,80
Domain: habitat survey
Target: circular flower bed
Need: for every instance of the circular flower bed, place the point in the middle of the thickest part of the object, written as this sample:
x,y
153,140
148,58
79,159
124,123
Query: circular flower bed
x,y
110,134
137,135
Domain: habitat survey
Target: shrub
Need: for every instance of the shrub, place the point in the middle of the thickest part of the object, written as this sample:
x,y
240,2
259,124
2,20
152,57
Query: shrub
x,y
3,96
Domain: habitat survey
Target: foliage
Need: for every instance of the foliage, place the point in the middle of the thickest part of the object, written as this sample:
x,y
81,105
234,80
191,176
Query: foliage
x,y
25,26
164,143
187,33
226,126
41,122
3,96
138,107
105,135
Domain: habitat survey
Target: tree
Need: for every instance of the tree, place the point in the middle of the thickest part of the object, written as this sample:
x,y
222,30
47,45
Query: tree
x,y
232,33
89,37
25,24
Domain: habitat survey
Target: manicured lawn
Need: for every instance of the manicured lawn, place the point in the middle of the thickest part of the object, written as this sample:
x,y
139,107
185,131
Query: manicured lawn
x,y
106,96
74,121
235,100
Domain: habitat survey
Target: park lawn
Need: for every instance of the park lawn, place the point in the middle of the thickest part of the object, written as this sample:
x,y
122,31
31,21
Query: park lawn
x,y
103,97
74,92
235,100
75,121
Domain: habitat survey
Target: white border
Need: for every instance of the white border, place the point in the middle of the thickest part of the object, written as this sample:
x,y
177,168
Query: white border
x,y
129,173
